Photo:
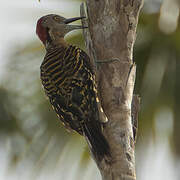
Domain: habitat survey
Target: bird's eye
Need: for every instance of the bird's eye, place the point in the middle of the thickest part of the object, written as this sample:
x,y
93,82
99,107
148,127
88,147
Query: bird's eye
x,y
56,18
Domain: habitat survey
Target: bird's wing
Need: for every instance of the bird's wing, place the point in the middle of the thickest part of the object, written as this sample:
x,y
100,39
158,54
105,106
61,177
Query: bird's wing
x,y
61,102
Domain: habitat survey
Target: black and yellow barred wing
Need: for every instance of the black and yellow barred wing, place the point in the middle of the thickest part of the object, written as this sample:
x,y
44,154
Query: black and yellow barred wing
x,y
68,81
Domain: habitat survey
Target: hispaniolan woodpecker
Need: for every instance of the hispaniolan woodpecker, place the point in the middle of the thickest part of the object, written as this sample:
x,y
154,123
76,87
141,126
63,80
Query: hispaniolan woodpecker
x,y
69,82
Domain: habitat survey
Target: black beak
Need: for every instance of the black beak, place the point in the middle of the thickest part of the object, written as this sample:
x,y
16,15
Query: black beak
x,y
67,21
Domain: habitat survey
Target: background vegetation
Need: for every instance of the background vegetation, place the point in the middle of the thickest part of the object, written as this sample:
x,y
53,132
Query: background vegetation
x,y
33,142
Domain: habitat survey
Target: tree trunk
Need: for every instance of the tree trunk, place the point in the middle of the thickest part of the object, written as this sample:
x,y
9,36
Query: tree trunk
x,y
109,40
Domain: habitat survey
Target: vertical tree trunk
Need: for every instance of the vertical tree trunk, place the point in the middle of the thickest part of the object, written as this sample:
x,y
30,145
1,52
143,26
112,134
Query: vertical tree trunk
x,y
112,33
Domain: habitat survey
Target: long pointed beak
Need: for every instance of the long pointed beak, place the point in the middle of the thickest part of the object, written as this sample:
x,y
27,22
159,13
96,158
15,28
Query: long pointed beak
x,y
67,21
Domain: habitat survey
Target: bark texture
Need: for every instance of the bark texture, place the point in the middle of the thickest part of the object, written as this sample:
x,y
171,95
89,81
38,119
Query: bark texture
x,y
110,37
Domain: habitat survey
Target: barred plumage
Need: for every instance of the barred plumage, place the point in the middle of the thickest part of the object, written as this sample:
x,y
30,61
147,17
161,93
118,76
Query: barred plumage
x,y
69,82
68,79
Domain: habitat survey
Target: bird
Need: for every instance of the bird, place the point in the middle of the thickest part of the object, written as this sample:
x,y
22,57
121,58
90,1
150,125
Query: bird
x,y
69,82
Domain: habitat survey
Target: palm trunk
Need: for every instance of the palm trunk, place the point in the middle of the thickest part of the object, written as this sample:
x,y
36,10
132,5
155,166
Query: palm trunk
x,y
110,39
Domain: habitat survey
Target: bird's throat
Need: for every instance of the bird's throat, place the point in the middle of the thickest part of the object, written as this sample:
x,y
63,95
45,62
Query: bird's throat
x,y
58,42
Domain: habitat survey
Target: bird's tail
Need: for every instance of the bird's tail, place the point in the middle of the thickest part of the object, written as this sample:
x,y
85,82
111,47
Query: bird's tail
x,y
97,142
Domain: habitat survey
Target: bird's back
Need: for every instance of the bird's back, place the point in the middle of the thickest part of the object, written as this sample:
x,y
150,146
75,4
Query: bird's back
x,y
69,83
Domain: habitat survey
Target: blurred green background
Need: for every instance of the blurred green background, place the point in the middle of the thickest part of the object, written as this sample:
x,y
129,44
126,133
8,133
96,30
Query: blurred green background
x,y
35,145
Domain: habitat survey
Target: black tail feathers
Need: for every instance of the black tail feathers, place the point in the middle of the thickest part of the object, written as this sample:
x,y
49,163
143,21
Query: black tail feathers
x,y
99,145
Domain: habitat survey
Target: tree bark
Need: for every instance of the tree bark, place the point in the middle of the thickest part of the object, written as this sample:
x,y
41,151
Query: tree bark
x,y
109,40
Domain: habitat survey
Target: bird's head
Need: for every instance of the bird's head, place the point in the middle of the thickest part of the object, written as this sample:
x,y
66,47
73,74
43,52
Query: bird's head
x,y
54,27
